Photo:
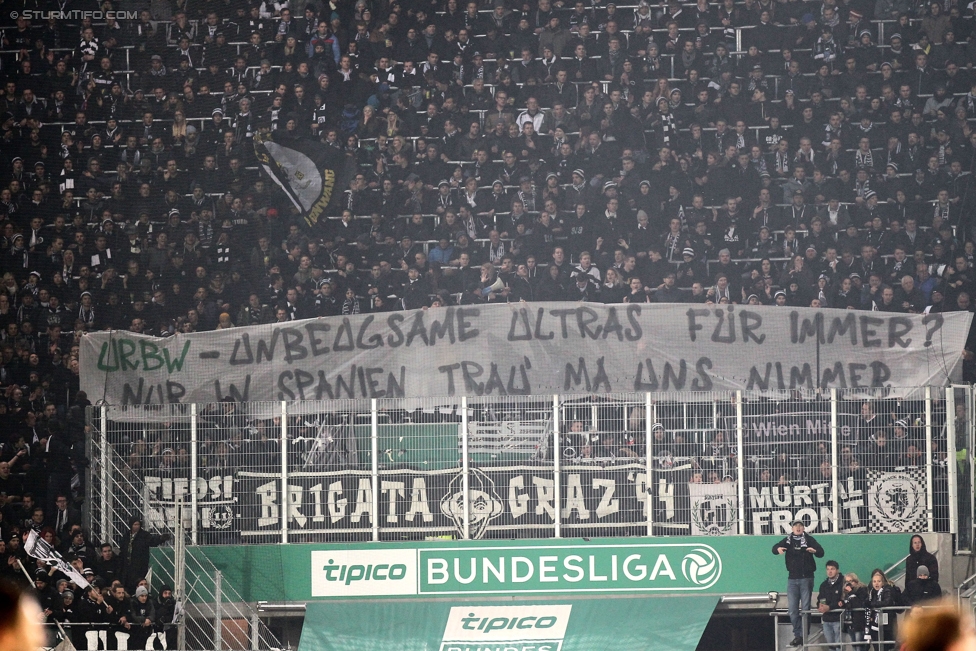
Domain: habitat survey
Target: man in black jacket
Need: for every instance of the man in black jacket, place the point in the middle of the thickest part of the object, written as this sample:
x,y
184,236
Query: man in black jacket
x,y
135,552
91,609
800,549
830,603
118,610
165,617
108,565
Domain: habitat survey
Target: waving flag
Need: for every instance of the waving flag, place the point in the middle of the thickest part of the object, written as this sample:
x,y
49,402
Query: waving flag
x,y
37,547
307,170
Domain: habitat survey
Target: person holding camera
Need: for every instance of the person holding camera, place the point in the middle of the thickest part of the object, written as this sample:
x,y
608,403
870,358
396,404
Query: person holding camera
x,y
855,602
800,548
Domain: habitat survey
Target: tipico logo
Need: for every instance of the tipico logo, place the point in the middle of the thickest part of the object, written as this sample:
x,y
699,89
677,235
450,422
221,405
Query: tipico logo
x,y
364,572
702,566
510,628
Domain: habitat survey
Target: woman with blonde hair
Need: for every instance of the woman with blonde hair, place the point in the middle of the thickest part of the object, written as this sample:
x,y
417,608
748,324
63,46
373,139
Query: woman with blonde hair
x,y
179,127
613,290
855,600
370,125
661,89
882,595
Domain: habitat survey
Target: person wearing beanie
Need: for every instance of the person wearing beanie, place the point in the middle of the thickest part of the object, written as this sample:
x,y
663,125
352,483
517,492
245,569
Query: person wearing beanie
x,y
165,614
45,592
922,588
65,613
142,617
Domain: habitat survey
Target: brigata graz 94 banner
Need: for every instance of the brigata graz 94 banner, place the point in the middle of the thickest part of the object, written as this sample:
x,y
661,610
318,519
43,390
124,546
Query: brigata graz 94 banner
x,y
528,349
508,501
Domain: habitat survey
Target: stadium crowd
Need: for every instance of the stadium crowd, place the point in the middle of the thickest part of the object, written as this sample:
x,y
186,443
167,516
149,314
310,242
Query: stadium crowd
x,y
802,153
755,152
115,610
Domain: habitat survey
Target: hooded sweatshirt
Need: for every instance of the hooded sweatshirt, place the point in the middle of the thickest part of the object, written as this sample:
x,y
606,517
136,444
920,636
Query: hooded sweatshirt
x,y
921,557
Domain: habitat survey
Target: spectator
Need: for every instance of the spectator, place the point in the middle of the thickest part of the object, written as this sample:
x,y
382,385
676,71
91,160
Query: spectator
x,y
922,588
135,551
918,555
165,608
19,614
830,603
855,603
799,548
880,622
109,566
142,618
92,609
941,628
118,609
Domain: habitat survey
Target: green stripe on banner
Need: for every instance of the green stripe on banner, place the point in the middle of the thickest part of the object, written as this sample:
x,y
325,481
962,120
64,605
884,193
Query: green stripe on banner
x,y
508,625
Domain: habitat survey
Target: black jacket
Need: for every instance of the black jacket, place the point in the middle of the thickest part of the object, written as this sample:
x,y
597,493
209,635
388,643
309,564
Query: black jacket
x,y
832,594
855,617
888,597
165,611
799,562
135,554
921,557
139,612
920,590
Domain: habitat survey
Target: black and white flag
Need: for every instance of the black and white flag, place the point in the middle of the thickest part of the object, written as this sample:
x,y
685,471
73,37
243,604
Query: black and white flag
x,y
307,170
37,547
897,501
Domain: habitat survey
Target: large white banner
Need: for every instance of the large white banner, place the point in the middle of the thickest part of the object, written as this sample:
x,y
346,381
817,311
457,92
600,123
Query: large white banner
x,y
529,349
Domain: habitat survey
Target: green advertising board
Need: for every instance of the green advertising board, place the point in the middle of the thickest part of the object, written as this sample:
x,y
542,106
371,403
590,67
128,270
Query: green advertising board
x,y
564,567
584,624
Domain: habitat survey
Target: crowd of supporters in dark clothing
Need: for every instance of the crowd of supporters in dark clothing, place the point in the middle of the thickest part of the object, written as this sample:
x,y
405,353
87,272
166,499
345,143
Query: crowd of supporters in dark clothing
x,y
757,152
802,153
116,609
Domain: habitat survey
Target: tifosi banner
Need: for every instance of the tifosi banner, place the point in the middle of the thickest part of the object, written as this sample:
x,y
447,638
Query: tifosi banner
x,y
527,349
216,501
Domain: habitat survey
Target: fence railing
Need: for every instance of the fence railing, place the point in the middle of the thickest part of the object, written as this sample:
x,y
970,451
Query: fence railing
x,y
638,464
211,614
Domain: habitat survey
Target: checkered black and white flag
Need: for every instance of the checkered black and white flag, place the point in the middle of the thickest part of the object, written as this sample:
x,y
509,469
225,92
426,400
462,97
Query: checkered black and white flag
x,y
37,547
896,500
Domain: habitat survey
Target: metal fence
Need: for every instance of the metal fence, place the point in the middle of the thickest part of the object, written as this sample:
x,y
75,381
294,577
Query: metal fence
x,y
730,463
211,613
